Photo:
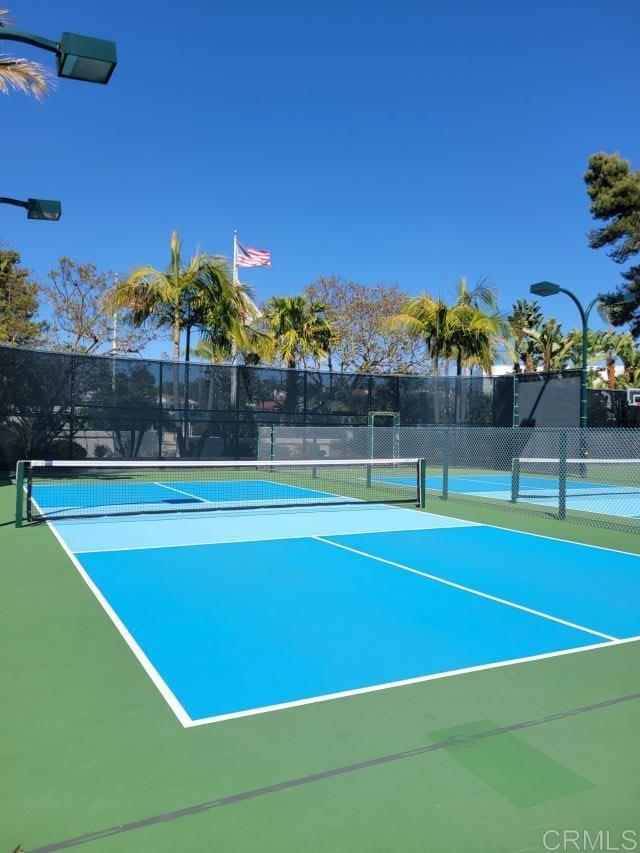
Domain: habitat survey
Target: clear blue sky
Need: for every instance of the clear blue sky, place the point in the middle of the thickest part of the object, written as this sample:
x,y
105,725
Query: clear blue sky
x,y
397,141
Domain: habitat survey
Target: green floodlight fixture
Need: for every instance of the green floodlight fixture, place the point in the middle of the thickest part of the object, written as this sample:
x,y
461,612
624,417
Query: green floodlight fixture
x,y
84,58
77,57
620,298
37,208
545,288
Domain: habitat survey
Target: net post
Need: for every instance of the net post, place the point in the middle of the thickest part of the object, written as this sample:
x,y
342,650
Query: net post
x,y
396,435
20,465
369,476
515,480
562,478
272,443
445,465
314,455
422,483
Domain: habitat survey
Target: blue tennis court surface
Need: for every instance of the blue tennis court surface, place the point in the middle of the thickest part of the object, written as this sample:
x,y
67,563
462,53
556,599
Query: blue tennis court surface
x,y
606,498
233,613
98,498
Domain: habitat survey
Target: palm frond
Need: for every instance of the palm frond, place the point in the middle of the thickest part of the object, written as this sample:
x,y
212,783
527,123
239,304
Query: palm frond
x,y
24,75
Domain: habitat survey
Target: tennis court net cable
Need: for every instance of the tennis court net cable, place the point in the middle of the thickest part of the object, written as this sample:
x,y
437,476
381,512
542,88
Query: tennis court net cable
x,y
90,488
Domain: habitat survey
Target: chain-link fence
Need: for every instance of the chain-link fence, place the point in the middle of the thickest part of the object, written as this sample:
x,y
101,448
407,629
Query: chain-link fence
x,y
63,406
590,476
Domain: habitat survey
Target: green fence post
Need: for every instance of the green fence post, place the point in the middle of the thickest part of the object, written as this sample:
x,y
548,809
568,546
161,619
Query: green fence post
x,y
562,478
445,466
19,492
516,400
515,480
422,483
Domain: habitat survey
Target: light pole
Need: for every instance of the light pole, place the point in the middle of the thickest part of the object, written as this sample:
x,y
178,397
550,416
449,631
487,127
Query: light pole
x,y
548,288
37,208
77,57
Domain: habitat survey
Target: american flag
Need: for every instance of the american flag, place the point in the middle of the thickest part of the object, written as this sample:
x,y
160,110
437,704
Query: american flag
x,y
248,257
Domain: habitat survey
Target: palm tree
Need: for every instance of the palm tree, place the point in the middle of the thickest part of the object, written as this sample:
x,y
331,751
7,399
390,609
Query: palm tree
x,y
472,335
463,331
427,318
180,298
23,75
299,329
553,345
522,348
611,345
183,296
630,358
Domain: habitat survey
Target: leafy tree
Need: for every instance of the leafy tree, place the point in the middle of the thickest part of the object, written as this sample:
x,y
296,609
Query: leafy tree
x,y
364,341
522,348
80,320
18,304
23,75
614,191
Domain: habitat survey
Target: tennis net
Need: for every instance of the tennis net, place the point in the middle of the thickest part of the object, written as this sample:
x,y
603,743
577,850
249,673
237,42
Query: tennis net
x,y
536,479
63,489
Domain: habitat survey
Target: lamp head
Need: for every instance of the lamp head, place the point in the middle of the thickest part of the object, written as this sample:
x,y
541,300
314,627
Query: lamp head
x,y
40,208
85,58
620,298
545,288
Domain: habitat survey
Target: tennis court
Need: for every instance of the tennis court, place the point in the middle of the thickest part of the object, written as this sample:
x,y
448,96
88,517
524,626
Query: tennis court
x,y
317,594
242,656
613,497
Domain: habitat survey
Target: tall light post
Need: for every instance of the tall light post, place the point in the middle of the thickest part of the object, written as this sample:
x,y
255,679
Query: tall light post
x,y
77,58
548,288
37,208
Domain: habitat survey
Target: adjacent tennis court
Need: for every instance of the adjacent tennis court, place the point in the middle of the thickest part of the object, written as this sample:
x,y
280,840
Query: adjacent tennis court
x,y
613,490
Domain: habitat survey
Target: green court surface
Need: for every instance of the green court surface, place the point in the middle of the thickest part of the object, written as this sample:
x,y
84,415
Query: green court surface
x,y
92,756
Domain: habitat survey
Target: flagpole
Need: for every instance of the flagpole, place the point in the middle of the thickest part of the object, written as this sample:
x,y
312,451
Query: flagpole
x,y
235,256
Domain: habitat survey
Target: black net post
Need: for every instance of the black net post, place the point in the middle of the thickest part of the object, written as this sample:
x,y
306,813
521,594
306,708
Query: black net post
x,y
19,492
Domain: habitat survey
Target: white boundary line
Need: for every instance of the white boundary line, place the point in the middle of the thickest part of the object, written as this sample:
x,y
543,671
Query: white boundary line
x,y
143,660
524,532
470,589
404,682
182,492
171,700
271,539
586,461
